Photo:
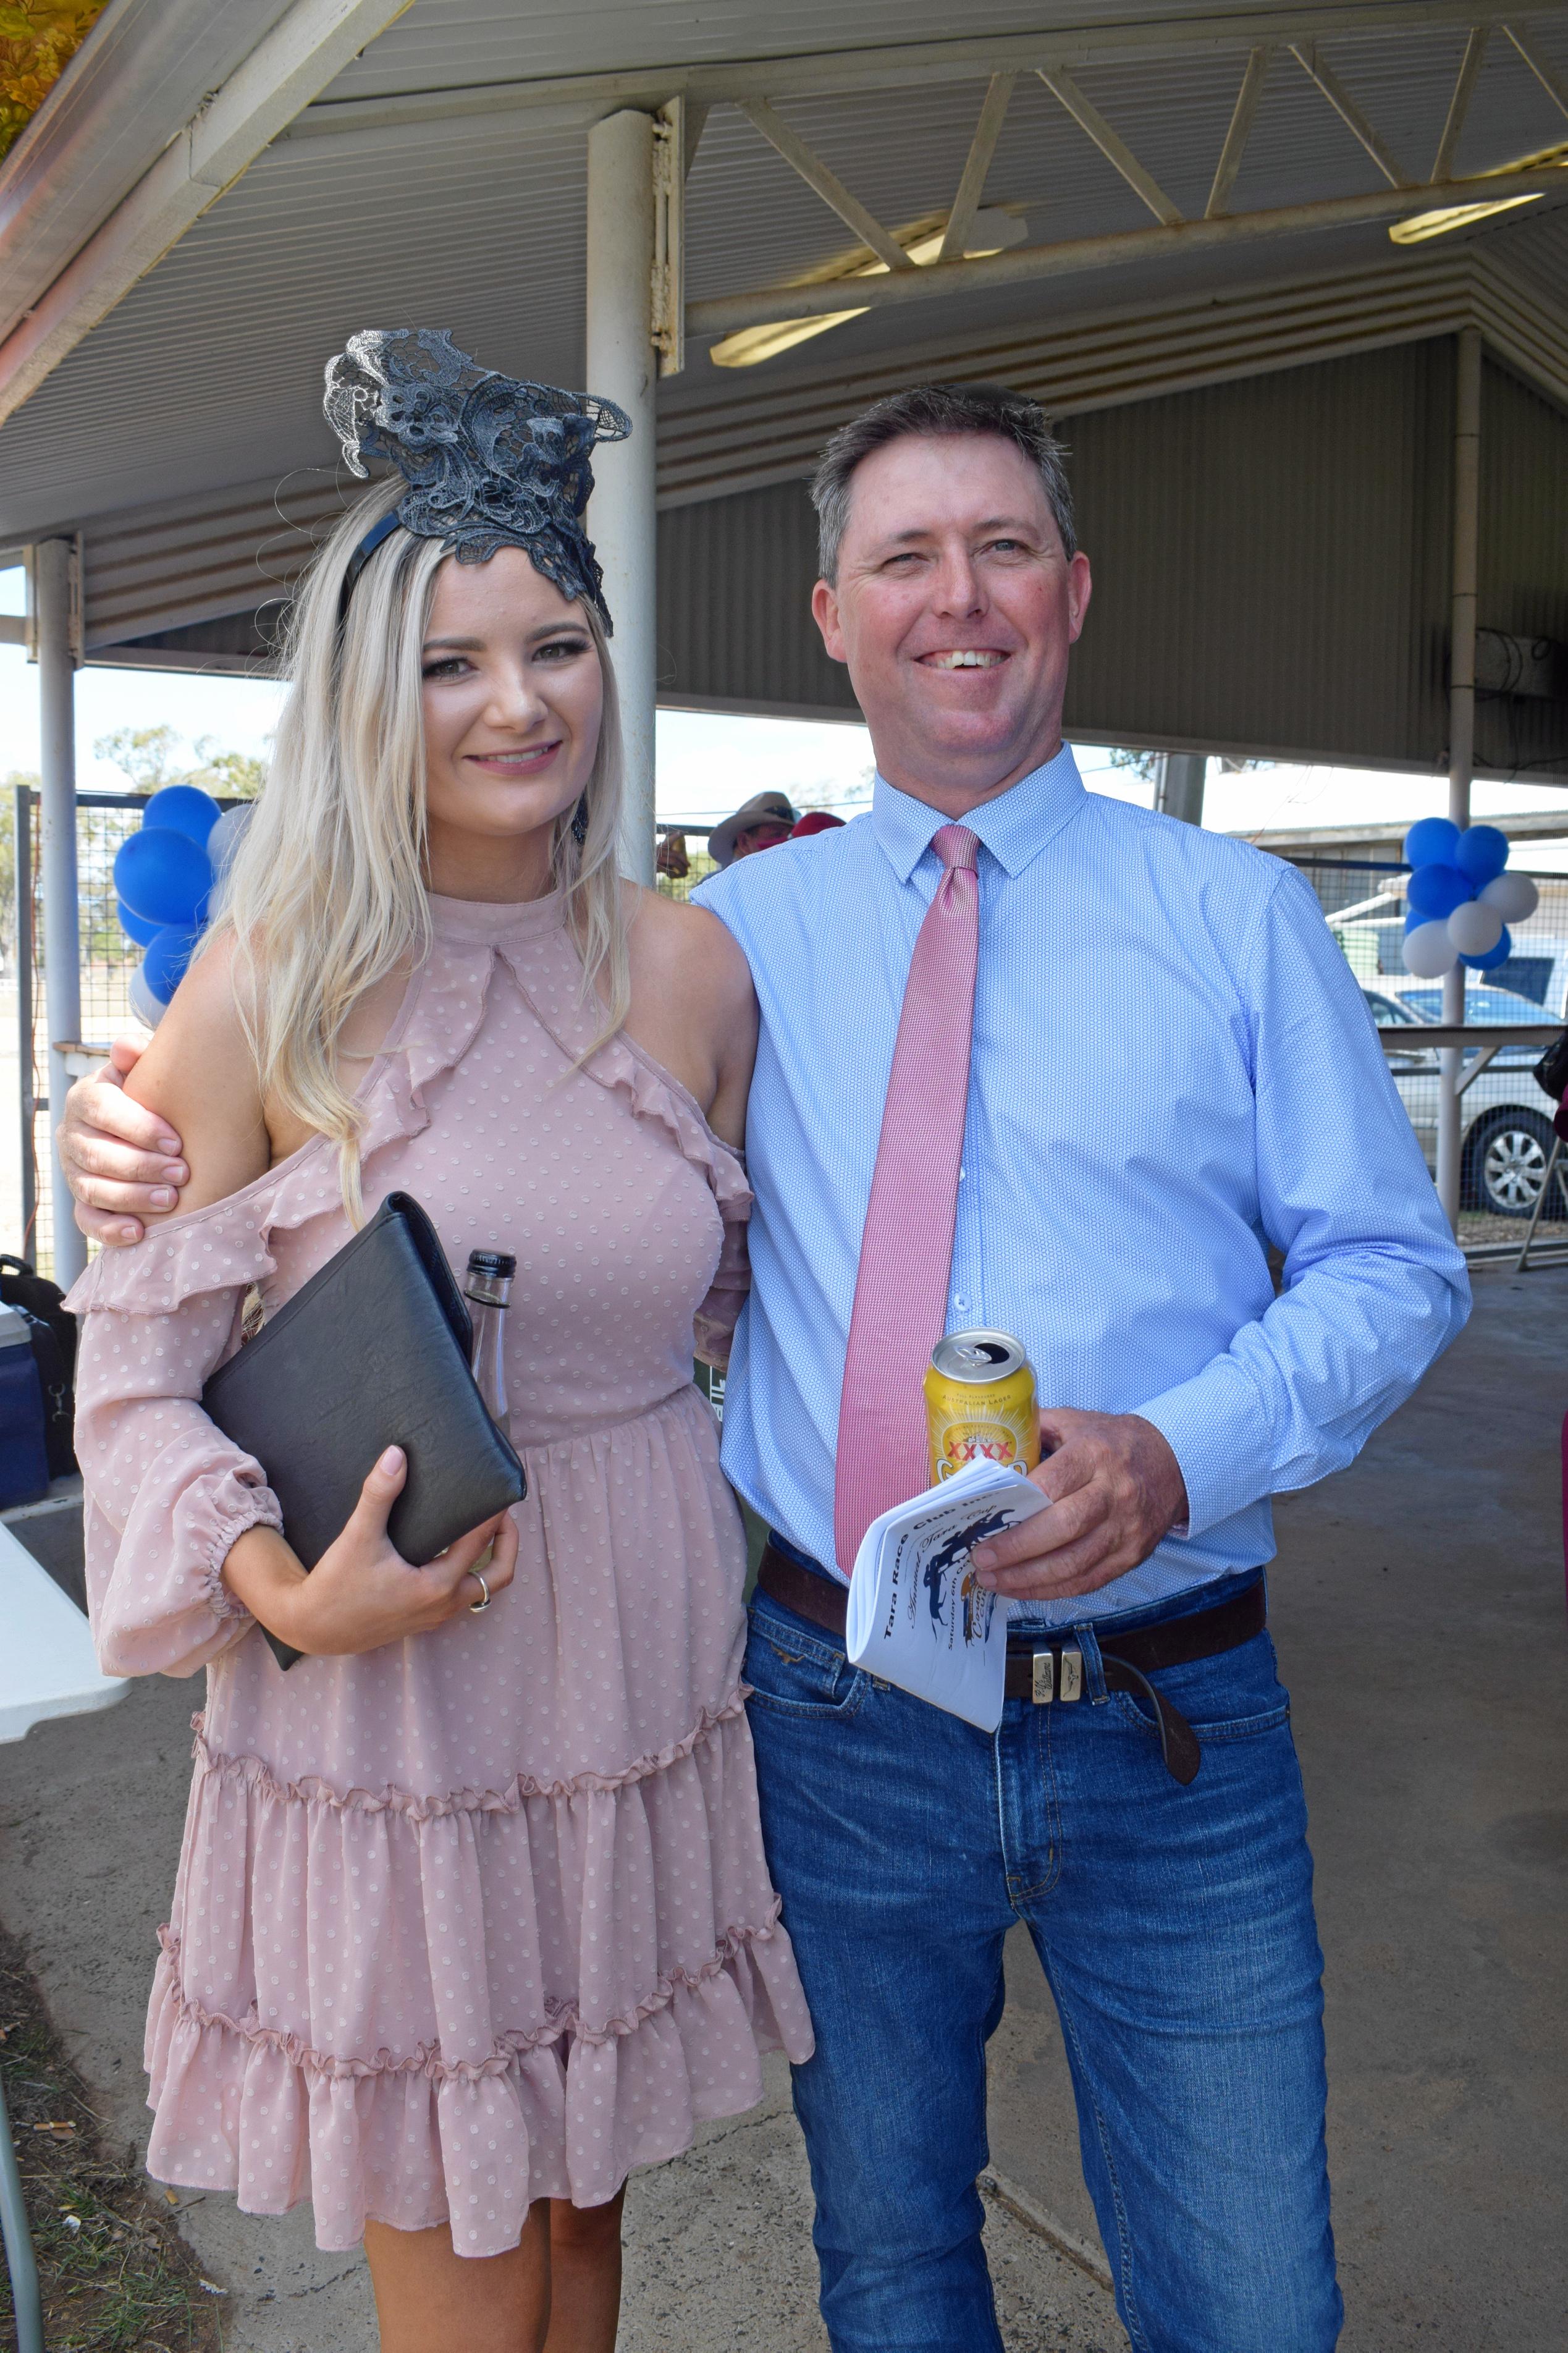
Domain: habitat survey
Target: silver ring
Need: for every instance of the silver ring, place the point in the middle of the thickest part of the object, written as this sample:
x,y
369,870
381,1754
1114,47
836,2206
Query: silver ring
x,y
477,1607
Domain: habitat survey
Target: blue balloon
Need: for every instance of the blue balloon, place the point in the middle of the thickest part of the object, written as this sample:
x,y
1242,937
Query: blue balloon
x,y
135,927
1482,854
1431,840
185,808
163,876
1434,892
168,952
1493,957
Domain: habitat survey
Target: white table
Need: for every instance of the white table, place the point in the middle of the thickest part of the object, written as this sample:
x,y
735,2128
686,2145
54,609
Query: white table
x,y
47,1668
47,1662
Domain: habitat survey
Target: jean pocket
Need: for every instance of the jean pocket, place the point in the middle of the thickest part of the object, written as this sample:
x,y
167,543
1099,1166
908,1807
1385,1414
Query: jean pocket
x,y
1233,1696
792,1672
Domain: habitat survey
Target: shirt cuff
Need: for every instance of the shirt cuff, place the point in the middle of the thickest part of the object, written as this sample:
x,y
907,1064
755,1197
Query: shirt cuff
x,y
1216,1428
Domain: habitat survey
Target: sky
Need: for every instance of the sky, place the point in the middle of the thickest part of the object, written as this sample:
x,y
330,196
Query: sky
x,y
709,762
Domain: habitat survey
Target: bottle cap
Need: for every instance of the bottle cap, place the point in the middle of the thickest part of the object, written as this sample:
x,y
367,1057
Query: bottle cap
x,y
491,1262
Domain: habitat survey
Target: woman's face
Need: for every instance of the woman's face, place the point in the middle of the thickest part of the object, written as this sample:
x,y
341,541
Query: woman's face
x,y
512,698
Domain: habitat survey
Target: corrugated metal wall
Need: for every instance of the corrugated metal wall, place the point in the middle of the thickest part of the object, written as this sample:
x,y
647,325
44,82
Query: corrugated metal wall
x,y
1523,564
1271,570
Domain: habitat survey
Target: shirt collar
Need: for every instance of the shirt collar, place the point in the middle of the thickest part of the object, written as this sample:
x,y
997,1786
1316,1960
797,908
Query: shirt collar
x,y
1013,827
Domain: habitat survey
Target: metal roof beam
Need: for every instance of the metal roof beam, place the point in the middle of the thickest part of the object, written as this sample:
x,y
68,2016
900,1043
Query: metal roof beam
x,y
724,314
582,97
1306,55
825,184
302,53
1459,104
971,186
1111,145
1550,83
1236,138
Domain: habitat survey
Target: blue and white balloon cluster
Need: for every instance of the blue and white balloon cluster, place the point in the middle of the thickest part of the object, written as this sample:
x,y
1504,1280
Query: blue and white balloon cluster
x,y
1460,903
163,879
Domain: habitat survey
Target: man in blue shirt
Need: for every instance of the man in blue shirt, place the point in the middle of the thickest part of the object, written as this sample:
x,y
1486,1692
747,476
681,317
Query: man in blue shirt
x,y
1171,1069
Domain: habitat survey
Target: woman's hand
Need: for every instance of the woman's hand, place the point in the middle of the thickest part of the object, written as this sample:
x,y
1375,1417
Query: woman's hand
x,y
362,1593
122,1161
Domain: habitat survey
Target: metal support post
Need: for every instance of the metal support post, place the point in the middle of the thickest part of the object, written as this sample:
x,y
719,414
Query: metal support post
x,y
1180,791
22,843
1461,724
621,365
21,2263
54,565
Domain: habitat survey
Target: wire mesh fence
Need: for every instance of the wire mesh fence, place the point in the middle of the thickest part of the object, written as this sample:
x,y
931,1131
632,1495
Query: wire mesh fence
x,y
1505,1119
107,961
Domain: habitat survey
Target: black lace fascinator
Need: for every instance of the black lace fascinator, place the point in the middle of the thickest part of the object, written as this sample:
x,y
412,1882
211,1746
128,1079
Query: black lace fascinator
x,y
490,461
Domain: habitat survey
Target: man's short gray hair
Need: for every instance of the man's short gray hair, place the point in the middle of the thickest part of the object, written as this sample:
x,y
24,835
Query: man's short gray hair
x,y
939,408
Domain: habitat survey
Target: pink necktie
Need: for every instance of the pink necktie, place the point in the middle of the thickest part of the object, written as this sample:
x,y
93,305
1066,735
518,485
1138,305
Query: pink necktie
x,y
906,1251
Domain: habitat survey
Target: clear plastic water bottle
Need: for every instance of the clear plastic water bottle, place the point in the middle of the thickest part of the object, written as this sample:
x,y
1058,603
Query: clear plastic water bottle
x,y
487,1289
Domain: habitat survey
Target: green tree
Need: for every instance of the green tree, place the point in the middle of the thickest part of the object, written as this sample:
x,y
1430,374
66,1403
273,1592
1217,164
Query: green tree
x,y
8,860
151,757
228,775
145,756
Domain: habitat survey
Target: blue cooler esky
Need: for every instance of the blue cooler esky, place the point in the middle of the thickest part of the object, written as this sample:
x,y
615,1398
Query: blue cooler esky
x,y
709,762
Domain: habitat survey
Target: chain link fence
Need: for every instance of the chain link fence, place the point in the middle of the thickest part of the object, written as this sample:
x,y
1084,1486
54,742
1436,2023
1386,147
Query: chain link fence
x,y
1505,1119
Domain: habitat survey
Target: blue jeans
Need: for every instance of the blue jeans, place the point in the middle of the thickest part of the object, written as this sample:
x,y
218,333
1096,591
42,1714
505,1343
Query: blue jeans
x,y
1175,1926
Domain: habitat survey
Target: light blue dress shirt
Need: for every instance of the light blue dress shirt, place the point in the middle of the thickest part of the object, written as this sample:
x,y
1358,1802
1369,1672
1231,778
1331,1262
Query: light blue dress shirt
x,y
1173,1067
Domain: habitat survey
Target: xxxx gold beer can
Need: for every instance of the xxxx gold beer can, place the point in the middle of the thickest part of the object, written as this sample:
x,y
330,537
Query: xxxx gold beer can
x,y
980,1404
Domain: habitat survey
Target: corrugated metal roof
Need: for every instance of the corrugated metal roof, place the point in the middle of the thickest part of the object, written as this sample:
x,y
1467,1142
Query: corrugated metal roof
x,y
1270,561
206,373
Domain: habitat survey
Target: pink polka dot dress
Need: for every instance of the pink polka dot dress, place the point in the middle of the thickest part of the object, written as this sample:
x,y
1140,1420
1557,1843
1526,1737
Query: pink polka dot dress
x,y
482,1916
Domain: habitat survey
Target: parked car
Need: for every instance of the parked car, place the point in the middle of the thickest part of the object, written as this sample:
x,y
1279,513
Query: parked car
x,y
1506,1124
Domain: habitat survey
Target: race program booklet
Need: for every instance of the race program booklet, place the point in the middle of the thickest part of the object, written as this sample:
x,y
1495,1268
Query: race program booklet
x,y
917,1617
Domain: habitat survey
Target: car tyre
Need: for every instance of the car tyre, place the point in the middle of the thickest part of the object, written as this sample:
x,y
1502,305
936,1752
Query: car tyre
x,y
1507,1157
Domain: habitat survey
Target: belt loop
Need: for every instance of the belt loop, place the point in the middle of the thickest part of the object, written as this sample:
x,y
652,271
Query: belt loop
x,y
1093,1664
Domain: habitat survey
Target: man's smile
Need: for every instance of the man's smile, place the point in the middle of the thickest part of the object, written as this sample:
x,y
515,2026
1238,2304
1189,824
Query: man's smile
x,y
963,658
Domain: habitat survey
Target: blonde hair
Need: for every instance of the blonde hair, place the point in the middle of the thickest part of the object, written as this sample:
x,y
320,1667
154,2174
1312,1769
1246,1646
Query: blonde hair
x,y
327,891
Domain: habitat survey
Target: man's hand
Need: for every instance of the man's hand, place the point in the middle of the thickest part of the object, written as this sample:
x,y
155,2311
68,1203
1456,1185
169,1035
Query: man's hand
x,y
1116,1488
121,1160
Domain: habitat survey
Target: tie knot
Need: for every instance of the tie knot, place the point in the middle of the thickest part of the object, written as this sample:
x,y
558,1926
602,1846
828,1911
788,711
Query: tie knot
x,y
957,845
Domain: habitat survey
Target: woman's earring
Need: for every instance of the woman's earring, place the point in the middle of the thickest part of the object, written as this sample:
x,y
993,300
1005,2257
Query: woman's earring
x,y
580,822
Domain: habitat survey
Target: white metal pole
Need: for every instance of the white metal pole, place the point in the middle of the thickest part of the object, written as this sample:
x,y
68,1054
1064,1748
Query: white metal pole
x,y
621,365
1461,724
53,560
1183,776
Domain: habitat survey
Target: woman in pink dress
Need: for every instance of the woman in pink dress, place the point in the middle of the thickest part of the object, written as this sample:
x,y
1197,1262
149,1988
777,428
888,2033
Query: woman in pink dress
x,y
472,1915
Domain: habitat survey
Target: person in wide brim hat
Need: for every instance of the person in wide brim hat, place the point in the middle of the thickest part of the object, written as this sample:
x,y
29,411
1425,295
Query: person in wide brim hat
x,y
767,815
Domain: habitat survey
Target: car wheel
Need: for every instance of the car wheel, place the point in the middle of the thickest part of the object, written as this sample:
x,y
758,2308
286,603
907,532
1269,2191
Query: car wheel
x,y
1508,1156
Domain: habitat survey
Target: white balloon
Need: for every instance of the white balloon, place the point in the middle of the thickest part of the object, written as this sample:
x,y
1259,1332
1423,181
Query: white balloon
x,y
1429,953
1475,928
143,1003
225,836
1514,896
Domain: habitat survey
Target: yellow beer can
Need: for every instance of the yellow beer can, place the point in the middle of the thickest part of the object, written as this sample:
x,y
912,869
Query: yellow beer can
x,y
980,1404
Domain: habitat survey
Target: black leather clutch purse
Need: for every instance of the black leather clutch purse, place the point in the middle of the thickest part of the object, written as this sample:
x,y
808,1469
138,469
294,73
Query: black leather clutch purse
x,y
371,1352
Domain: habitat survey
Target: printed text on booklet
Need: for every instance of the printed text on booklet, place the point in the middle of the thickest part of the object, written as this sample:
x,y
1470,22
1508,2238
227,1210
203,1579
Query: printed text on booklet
x,y
917,1617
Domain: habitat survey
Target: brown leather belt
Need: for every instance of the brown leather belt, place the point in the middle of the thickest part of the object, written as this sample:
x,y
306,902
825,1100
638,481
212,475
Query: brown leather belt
x,y
1050,1671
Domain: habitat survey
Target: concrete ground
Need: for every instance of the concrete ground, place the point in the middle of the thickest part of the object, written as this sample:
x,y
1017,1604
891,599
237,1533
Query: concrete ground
x,y
1418,1605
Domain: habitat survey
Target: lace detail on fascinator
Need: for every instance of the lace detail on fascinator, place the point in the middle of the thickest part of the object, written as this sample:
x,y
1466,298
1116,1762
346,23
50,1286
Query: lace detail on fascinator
x,y
490,462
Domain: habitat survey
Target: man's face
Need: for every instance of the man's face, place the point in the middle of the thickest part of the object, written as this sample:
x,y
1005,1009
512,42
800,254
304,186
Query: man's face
x,y
954,607
760,837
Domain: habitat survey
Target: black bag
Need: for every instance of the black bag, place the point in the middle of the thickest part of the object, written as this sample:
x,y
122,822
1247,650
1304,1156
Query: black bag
x,y
371,1352
53,1334
1551,1070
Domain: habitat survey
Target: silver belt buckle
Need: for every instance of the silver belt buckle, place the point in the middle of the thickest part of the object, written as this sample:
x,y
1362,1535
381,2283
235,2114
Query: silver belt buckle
x,y
1046,1684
